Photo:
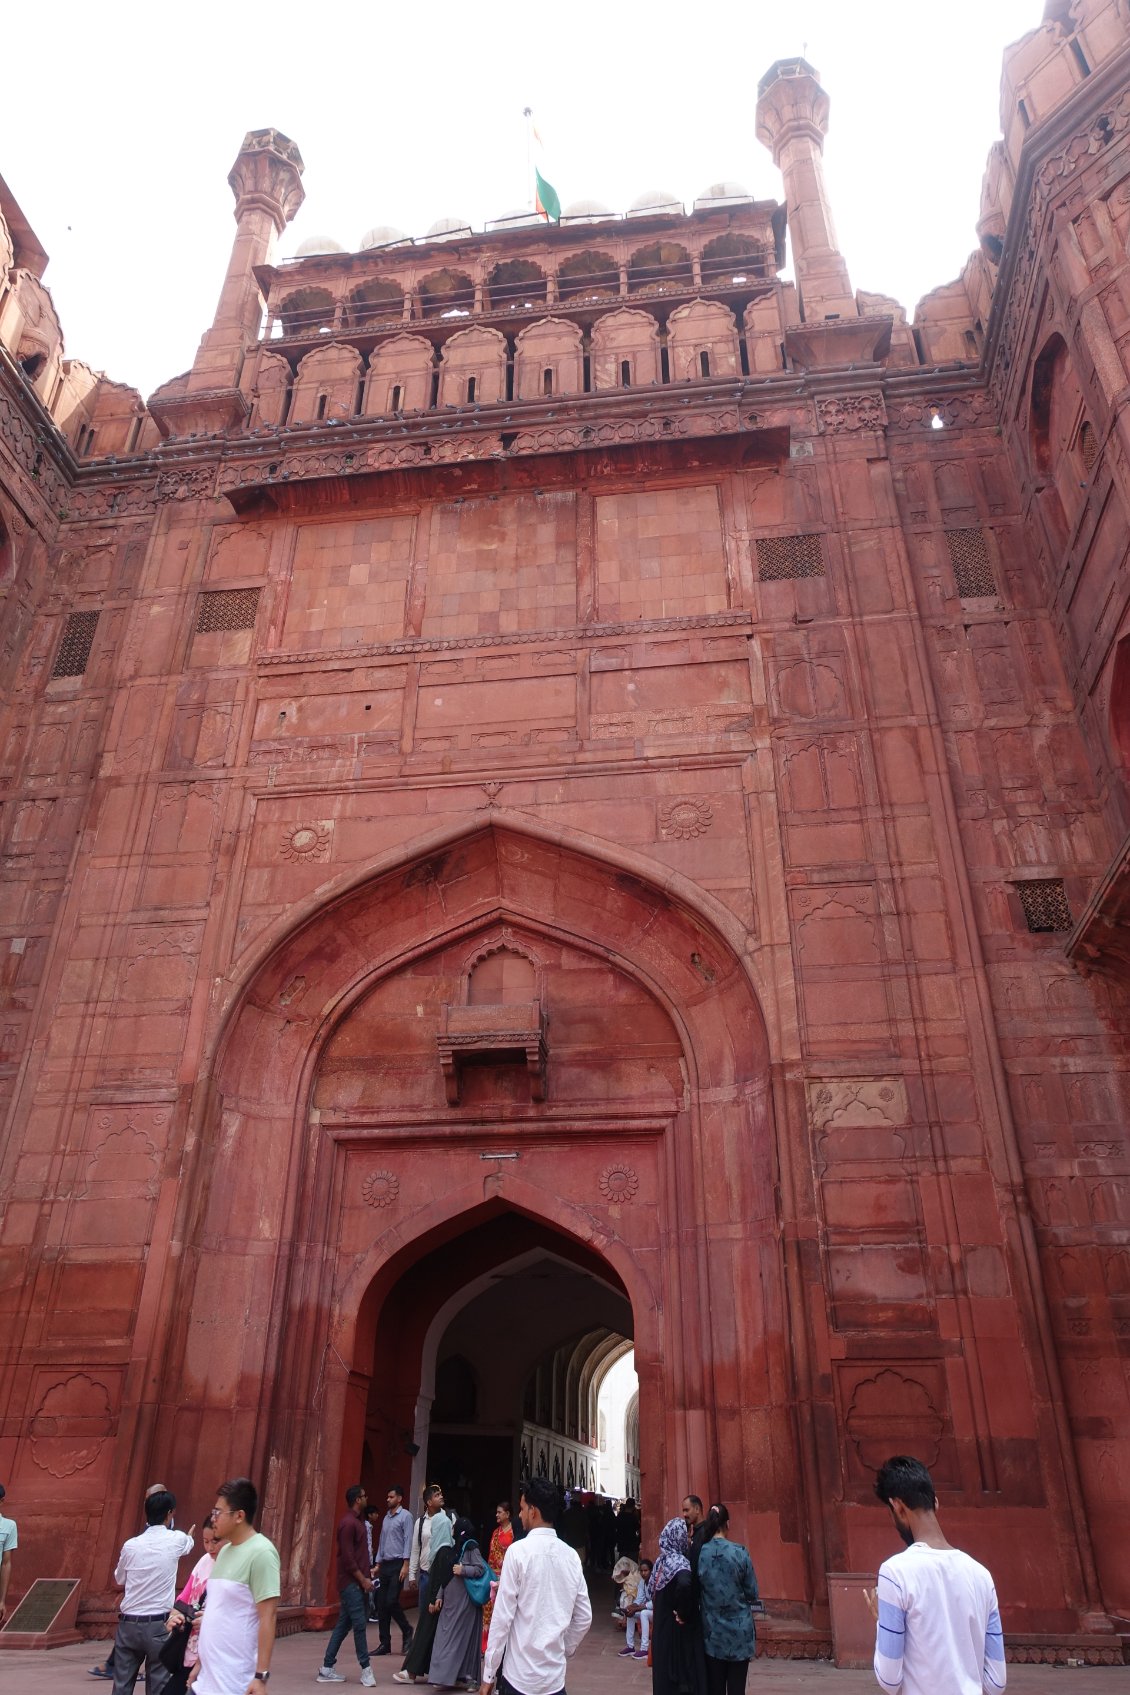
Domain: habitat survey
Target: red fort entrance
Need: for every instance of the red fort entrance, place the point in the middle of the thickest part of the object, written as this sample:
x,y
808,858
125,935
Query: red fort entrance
x,y
562,792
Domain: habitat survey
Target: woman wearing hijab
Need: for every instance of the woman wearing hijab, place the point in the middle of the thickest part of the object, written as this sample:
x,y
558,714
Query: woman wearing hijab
x,y
442,1555
727,1589
678,1666
457,1654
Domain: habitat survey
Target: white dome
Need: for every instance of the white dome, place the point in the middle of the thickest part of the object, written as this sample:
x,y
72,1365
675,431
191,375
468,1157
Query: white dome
x,y
724,191
655,200
317,244
444,228
381,235
586,209
511,220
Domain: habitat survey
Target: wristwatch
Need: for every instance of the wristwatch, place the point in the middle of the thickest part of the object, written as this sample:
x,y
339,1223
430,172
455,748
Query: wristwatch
x,y
262,1677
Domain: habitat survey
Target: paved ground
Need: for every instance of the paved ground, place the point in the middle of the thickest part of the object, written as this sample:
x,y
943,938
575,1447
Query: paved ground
x,y
596,1671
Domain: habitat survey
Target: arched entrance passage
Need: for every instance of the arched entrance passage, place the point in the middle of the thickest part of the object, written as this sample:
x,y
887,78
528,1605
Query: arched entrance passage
x,y
488,1354
516,1020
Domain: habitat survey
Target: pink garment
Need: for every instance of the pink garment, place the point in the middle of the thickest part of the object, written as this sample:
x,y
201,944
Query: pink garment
x,y
191,1594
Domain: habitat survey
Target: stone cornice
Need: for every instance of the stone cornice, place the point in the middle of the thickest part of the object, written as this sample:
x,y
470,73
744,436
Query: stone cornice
x,y
410,646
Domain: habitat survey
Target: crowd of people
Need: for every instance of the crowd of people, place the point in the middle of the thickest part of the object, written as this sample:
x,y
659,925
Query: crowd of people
x,y
511,1618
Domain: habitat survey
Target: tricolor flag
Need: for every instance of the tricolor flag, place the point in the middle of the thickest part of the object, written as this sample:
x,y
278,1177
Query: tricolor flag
x,y
546,199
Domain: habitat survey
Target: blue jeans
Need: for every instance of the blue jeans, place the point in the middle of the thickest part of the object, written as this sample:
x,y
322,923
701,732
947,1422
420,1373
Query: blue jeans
x,y
354,1616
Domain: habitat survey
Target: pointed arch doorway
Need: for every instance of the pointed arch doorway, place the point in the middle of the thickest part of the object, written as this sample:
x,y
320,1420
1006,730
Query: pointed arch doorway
x,y
488,1356
505,1022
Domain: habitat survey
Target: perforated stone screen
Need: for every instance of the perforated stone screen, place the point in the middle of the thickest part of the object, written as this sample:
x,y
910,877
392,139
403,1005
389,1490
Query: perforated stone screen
x,y
1045,904
74,649
783,558
973,571
1088,446
227,609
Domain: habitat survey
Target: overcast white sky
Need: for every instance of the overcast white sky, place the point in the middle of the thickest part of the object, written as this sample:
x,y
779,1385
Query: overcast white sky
x,y
119,123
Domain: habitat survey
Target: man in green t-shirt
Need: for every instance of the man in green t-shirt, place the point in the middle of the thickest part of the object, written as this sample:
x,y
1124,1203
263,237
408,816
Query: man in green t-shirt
x,y
237,1634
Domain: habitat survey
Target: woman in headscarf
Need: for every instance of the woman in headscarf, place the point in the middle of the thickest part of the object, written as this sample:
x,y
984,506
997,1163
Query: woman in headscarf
x,y
442,1554
678,1666
457,1654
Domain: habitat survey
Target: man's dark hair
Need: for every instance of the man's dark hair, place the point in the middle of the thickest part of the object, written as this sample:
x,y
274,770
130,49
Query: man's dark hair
x,y
354,1493
906,1479
373,1507
694,1501
432,1491
543,1494
396,1489
241,1496
159,1506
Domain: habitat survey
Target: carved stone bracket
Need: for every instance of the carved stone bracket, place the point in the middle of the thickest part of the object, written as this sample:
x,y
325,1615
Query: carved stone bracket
x,y
851,412
493,1033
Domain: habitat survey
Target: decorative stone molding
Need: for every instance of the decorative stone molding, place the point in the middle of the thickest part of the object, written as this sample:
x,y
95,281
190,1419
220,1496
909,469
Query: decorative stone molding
x,y
955,410
307,841
618,1182
840,413
685,819
520,638
380,1188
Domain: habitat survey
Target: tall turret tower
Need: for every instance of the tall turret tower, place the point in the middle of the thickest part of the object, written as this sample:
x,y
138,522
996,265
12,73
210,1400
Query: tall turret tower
x,y
266,180
792,121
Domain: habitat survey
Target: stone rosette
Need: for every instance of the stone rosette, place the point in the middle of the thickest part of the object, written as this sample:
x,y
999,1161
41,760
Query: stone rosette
x,y
685,819
305,841
380,1188
618,1182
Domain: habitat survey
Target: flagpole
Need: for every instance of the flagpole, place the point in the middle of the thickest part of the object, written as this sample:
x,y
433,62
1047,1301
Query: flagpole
x,y
527,113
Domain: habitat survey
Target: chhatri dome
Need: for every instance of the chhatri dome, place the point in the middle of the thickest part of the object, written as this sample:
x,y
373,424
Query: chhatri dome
x,y
654,200
382,235
317,244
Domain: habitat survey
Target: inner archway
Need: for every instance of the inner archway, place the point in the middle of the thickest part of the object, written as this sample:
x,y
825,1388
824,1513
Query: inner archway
x,y
487,1359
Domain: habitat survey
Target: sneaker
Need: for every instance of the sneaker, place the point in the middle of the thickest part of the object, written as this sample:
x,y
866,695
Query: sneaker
x,y
640,1654
402,1676
626,1654
329,1674
368,1681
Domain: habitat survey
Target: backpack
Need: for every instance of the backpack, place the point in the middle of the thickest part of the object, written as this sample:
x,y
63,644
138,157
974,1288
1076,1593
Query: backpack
x,y
478,1588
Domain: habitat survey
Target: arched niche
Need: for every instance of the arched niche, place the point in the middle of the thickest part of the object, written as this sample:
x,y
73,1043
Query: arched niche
x,y
327,385
588,275
548,359
702,342
625,350
662,267
374,303
400,376
473,368
516,285
446,293
1055,408
271,397
307,312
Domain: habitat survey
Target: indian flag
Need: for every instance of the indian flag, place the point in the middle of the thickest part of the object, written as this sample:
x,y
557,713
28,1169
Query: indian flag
x,y
546,199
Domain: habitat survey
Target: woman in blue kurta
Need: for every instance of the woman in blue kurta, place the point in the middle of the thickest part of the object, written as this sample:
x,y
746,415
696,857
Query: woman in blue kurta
x,y
727,1590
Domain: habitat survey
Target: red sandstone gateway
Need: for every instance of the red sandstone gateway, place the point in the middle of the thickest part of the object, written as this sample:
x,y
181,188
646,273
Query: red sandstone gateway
x,y
563,793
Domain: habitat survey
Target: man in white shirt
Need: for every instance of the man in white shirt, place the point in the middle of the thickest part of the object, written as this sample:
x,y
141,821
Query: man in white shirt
x,y
147,1569
541,1611
419,1563
8,1544
939,1628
